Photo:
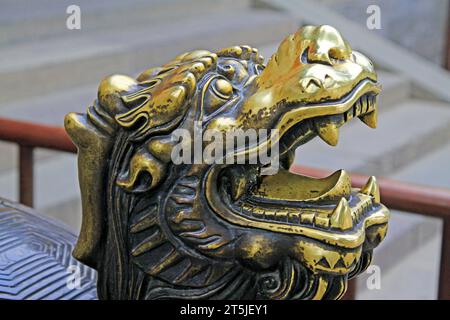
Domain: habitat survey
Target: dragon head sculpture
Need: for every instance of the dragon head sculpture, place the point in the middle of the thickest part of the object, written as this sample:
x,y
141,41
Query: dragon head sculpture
x,y
155,228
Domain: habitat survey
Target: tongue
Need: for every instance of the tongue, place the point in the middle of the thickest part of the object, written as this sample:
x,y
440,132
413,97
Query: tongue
x,y
292,187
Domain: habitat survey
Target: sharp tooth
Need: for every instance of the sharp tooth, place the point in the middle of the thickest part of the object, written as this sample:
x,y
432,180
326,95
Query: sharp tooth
x,y
372,189
329,133
342,216
370,119
307,218
350,113
348,259
270,215
332,258
374,103
371,103
367,104
359,107
323,222
294,217
354,108
362,106
372,236
258,212
281,215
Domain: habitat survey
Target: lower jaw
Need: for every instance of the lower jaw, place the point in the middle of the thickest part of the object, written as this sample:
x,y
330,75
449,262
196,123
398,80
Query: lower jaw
x,y
282,204
295,282
321,250
350,239
329,251
325,251
322,258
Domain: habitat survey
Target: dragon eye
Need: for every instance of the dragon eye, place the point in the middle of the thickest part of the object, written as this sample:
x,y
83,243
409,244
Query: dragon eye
x,y
219,93
336,55
223,89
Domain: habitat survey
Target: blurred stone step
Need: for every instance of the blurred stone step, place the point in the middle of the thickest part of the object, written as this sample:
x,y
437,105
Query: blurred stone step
x,y
412,238
432,169
412,130
406,234
428,79
27,21
395,89
47,109
413,277
50,108
69,61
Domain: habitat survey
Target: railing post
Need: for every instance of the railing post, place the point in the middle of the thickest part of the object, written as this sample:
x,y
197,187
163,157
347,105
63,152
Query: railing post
x,y
26,175
444,275
351,290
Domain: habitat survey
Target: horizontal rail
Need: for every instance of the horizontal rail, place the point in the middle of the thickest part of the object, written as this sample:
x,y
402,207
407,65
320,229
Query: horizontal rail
x,y
35,135
425,200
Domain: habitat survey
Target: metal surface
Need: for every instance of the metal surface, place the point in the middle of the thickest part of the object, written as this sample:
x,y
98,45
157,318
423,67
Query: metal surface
x,y
155,227
35,258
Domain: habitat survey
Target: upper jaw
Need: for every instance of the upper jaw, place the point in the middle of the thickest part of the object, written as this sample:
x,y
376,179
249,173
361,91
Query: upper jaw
x,y
300,123
324,119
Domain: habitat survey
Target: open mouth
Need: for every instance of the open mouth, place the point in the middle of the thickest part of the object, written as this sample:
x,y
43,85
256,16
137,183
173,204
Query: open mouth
x,y
324,120
328,211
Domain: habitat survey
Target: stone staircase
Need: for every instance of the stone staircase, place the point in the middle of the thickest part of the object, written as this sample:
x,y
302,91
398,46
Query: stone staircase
x,y
47,71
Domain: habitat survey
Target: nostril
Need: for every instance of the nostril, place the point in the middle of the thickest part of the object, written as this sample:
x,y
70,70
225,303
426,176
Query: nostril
x,y
309,56
337,55
310,84
328,81
304,57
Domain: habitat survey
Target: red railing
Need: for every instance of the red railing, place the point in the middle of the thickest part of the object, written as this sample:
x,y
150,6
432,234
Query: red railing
x,y
424,200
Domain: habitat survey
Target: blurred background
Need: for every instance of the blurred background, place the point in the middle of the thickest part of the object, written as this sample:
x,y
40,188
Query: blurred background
x,y
48,69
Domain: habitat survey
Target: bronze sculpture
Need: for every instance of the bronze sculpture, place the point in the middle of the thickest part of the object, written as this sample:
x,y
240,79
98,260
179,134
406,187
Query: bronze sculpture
x,y
154,229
